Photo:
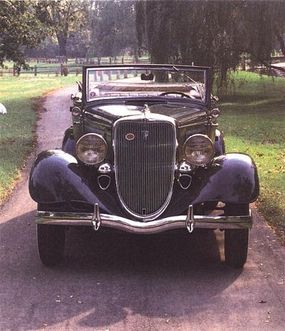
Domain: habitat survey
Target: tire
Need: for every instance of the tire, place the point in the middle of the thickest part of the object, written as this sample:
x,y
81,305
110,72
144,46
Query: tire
x,y
51,240
236,240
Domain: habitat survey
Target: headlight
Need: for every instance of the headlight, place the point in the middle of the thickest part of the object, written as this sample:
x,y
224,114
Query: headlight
x,y
91,148
199,150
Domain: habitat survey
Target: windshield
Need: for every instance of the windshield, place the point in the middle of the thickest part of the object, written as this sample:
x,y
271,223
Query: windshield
x,y
146,81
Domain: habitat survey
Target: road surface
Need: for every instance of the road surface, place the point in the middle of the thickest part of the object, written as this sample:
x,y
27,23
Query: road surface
x,y
122,282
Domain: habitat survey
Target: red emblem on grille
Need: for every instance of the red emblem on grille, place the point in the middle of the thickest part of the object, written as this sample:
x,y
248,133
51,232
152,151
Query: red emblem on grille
x,y
130,136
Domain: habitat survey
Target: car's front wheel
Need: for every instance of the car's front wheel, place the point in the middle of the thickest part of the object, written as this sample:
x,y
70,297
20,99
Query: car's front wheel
x,y
236,240
51,240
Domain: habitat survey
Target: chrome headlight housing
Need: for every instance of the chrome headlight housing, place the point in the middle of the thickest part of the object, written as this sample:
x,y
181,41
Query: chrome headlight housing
x,y
198,150
91,148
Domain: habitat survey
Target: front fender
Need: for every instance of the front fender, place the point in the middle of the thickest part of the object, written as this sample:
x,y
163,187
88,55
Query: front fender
x,y
53,178
232,178
57,178
68,144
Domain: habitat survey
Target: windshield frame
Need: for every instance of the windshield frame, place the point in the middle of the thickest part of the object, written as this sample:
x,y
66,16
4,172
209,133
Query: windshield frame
x,y
206,71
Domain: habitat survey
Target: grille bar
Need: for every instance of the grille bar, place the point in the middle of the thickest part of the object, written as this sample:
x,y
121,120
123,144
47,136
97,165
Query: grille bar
x,y
144,165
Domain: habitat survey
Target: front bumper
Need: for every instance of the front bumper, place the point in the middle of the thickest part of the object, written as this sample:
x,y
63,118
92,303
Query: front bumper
x,y
189,221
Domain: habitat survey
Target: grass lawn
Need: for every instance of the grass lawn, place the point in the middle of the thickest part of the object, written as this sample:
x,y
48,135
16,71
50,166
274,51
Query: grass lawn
x,y
19,95
253,120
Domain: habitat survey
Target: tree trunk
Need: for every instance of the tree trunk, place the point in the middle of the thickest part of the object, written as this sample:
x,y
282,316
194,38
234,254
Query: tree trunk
x,y
281,42
62,41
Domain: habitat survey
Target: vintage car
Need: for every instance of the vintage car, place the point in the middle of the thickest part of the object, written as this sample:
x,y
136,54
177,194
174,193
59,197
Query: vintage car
x,y
144,155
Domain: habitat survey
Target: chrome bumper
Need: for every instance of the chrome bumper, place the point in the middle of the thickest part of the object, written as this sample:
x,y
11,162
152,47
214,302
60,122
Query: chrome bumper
x,y
189,221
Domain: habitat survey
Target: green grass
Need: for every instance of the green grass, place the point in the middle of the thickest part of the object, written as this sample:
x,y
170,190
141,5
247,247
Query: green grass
x,y
19,95
253,120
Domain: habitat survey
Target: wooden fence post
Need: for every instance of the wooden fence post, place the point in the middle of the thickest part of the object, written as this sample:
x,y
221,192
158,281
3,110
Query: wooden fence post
x,y
100,72
35,70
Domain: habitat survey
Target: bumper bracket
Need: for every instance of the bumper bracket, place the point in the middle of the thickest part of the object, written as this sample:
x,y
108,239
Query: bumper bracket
x,y
96,219
190,221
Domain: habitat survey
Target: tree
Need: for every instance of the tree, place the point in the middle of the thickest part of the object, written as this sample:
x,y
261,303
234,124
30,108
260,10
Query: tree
x,y
19,28
63,17
278,12
87,28
214,33
112,25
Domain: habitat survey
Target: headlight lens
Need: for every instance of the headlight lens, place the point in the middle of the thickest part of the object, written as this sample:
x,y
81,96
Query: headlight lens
x,y
199,150
91,148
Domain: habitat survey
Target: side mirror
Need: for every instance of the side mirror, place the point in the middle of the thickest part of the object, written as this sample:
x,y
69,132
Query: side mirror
x,y
3,110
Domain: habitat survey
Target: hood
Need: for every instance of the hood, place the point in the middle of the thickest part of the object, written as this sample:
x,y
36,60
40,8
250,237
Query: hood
x,y
183,114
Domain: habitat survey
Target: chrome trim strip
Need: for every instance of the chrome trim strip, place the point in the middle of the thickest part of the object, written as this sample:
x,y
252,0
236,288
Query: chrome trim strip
x,y
156,226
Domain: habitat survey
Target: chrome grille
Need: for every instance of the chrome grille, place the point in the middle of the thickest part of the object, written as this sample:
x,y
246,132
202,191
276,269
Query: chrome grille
x,y
144,165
